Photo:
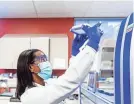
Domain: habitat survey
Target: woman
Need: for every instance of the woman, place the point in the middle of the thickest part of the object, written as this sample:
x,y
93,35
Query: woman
x,y
30,70
32,64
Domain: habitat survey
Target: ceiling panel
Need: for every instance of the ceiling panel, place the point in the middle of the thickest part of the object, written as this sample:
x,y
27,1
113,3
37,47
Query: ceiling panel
x,y
62,8
110,8
49,7
77,6
65,8
17,9
76,14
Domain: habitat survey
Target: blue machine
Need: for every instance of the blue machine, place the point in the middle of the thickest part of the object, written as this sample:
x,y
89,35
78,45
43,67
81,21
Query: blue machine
x,y
123,65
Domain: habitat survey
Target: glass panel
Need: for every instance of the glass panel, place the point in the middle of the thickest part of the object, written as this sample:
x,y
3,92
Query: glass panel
x,y
104,61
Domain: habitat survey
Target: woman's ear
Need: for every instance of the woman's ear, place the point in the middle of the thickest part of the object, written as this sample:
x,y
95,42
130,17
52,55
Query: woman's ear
x,y
31,67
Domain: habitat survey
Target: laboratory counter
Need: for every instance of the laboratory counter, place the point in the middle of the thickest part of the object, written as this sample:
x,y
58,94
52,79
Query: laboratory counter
x,y
5,98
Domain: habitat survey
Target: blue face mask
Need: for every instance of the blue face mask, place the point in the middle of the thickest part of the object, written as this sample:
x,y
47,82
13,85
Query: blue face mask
x,y
45,70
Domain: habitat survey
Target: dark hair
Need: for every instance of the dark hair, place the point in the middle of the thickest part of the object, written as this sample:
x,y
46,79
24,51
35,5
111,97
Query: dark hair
x,y
24,75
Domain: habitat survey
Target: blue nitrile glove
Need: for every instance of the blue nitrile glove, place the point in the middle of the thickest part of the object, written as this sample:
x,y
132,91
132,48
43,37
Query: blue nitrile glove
x,y
94,34
78,41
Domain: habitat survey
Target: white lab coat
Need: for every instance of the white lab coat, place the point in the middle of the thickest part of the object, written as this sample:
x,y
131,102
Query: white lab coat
x,y
65,84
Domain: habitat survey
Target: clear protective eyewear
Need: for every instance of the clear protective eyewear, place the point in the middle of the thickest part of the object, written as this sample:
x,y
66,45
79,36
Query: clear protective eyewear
x,y
41,58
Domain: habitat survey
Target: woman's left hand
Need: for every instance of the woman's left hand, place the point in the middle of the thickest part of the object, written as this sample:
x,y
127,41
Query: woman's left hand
x,y
78,41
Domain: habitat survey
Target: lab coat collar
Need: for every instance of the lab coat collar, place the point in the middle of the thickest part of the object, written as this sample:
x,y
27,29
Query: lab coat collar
x,y
47,82
37,85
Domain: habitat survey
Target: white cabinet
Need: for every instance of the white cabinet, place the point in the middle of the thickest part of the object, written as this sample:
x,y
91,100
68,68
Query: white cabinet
x,y
59,52
10,48
41,43
55,48
5,57
20,44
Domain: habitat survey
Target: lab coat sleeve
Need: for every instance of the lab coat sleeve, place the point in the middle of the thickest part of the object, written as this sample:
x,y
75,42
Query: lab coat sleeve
x,y
65,84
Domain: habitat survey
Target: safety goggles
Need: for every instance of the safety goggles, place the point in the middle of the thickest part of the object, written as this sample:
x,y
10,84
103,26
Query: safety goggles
x,y
41,58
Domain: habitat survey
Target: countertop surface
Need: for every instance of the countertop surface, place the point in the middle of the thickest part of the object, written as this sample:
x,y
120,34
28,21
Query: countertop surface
x,y
6,95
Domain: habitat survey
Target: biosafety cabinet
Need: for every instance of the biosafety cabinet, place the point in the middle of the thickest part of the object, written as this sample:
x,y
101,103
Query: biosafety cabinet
x,y
119,64
100,86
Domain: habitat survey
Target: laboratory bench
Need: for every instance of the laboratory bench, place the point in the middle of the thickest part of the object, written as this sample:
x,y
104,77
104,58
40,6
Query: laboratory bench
x,y
5,97
4,100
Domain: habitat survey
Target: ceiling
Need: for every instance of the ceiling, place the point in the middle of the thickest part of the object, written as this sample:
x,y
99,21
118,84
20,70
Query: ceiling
x,y
65,8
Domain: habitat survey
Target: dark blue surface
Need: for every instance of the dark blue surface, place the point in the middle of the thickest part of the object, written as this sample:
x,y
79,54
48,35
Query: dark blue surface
x,y
106,93
126,65
117,63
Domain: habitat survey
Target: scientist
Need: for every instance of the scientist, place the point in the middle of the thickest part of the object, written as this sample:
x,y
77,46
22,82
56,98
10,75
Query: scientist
x,y
33,67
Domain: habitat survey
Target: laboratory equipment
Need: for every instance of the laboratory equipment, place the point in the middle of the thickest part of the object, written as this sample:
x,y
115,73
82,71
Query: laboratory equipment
x,y
103,90
123,66
124,61
92,82
100,90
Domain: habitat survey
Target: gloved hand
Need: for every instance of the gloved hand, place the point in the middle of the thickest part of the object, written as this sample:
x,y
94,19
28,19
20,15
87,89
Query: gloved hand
x,y
94,34
78,41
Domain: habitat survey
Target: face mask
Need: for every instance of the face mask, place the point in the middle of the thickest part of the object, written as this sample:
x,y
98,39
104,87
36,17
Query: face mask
x,y
45,70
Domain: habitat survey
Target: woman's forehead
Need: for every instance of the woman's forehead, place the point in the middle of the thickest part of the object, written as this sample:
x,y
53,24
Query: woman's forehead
x,y
39,53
